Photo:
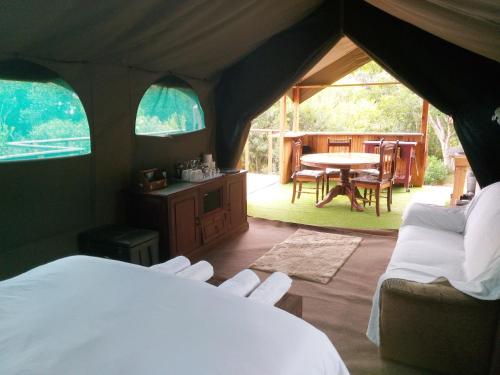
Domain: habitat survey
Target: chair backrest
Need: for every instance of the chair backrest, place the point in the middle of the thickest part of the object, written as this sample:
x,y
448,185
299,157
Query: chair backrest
x,y
344,144
373,148
296,155
387,166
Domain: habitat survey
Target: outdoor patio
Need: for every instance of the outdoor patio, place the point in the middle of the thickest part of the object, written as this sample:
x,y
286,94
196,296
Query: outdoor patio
x,y
269,199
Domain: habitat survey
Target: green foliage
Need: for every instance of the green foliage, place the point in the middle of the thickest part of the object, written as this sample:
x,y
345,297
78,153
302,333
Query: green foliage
x,y
57,128
390,108
386,108
5,134
153,125
436,172
165,110
31,111
259,146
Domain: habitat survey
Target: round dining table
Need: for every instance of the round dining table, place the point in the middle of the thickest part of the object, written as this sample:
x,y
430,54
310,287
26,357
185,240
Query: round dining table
x,y
345,161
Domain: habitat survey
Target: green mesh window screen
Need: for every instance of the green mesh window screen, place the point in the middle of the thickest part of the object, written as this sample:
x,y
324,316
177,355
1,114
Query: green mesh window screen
x,y
169,106
40,115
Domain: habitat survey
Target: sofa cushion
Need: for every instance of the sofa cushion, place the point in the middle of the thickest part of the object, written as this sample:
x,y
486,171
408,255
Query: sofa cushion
x,y
482,231
437,217
429,251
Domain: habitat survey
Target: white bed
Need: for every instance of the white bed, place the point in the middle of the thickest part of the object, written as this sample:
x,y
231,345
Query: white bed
x,y
84,315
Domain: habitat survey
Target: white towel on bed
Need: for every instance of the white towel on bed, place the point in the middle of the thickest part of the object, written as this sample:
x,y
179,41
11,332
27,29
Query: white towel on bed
x,y
242,283
173,265
201,271
272,289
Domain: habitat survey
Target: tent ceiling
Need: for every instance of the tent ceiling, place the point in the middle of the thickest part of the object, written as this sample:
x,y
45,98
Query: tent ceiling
x,y
200,38
473,25
192,37
342,59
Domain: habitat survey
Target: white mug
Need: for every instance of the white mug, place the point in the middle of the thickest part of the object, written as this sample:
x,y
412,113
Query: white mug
x,y
196,175
186,174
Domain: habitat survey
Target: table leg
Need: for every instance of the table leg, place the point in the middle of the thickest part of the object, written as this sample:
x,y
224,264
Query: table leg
x,y
343,189
337,190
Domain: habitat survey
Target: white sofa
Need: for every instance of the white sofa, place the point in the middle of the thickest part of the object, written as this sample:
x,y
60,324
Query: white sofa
x,y
437,305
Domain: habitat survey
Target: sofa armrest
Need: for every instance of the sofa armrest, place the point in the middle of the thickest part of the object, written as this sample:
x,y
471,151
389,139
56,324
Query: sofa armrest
x,y
426,215
437,327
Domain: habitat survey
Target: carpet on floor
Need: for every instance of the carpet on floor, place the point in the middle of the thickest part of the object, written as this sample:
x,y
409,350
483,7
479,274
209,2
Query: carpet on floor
x,y
341,308
309,255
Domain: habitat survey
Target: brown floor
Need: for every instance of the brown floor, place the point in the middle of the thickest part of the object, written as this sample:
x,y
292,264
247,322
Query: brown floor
x,y
340,308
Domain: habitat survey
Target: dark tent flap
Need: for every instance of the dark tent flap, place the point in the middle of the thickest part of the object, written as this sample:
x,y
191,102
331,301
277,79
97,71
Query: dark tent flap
x,y
455,80
250,86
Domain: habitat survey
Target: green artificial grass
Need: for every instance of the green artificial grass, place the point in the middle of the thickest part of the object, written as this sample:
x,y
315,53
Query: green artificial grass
x,y
274,203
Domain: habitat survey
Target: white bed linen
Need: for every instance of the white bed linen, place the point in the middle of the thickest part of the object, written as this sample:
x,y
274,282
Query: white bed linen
x,y
84,315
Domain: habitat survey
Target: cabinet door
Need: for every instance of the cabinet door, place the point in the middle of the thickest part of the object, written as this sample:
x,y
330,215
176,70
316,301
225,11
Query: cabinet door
x,y
184,223
213,225
237,200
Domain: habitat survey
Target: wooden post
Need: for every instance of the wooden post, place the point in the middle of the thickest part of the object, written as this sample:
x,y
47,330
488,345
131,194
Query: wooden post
x,y
296,102
421,159
282,131
270,152
247,154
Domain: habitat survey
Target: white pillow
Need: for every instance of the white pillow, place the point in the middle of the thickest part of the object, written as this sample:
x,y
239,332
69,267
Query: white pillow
x,y
438,217
482,231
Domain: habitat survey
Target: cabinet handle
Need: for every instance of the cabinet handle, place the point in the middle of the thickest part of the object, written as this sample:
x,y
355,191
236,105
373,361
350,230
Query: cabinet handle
x,y
197,221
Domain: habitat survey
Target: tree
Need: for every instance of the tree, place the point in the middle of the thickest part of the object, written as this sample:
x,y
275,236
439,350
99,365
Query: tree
x,y
442,125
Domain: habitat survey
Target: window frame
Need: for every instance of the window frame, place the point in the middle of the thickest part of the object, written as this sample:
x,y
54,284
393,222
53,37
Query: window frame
x,y
19,70
170,81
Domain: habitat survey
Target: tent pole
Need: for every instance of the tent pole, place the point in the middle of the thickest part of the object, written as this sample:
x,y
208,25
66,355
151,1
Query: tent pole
x,y
247,154
296,102
282,139
422,160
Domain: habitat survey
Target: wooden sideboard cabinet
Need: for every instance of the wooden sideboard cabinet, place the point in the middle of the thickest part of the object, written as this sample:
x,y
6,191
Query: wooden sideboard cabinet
x,y
192,217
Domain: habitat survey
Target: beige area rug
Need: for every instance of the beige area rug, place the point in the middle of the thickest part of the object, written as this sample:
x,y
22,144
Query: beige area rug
x,y
309,255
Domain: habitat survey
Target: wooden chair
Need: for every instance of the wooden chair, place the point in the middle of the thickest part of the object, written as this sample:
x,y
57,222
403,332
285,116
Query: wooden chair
x,y
345,146
384,179
376,150
305,175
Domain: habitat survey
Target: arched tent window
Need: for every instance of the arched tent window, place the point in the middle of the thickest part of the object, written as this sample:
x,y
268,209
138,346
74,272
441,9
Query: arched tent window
x,y
40,114
170,106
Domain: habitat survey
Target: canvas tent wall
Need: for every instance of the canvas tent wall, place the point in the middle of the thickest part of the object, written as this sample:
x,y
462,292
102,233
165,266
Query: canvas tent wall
x,y
239,57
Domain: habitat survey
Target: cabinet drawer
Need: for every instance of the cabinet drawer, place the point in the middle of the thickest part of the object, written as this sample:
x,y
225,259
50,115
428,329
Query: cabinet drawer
x,y
213,226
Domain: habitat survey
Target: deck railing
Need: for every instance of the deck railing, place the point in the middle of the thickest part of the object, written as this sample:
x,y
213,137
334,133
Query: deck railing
x,y
271,163
42,148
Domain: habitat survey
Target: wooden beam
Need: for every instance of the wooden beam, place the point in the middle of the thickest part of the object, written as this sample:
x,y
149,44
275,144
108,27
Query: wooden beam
x,y
281,151
422,160
247,154
347,85
296,103
270,153
425,117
